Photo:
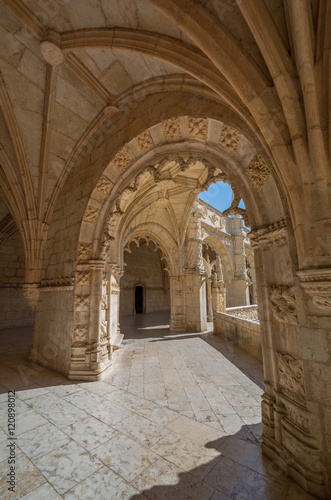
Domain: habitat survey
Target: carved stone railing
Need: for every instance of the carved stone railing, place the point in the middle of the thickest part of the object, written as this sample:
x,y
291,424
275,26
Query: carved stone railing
x,y
249,313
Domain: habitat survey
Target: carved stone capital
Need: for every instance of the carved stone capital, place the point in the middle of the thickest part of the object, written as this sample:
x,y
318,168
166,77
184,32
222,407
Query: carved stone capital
x,y
284,304
317,284
116,270
272,235
31,293
96,265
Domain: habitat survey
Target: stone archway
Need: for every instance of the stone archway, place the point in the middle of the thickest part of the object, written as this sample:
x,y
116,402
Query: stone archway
x,y
181,148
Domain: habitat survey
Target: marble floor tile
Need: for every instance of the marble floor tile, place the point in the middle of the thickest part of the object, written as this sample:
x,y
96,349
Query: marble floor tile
x,y
189,456
141,429
67,466
162,481
89,432
196,431
239,482
103,484
44,492
55,409
109,413
40,441
125,456
28,477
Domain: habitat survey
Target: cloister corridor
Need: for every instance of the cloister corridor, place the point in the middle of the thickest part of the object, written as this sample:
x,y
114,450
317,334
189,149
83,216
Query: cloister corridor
x,y
178,417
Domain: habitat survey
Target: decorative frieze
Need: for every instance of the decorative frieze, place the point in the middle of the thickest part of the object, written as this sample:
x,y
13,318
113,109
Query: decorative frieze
x,y
198,128
284,305
104,185
229,138
317,284
272,235
145,141
61,284
291,377
172,130
258,172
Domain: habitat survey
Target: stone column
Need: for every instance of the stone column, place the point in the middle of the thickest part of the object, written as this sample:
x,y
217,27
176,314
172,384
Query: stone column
x,y
240,276
195,287
115,274
89,354
209,300
177,304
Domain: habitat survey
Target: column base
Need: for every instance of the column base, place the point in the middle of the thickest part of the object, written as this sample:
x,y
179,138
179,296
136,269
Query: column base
x,y
312,482
80,372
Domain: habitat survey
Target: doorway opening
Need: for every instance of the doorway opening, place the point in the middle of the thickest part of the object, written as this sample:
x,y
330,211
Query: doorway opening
x,y
139,299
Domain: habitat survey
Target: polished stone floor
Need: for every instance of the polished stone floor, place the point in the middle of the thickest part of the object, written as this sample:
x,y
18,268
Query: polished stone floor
x,y
177,418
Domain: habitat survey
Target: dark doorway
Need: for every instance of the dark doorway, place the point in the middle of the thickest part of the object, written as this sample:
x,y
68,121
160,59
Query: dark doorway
x,y
139,296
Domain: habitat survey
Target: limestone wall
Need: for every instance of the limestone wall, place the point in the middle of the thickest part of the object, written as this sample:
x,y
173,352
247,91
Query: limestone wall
x,y
14,310
52,346
245,333
143,268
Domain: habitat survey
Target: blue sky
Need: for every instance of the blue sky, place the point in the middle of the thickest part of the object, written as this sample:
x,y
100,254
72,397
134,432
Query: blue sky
x,y
219,196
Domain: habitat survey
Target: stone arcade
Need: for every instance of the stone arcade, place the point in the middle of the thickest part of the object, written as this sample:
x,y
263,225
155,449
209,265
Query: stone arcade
x,y
113,118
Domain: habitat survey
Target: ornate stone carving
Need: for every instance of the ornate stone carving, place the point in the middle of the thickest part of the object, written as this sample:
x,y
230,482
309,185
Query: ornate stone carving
x,y
31,293
80,334
121,161
60,284
145,141
198,128
91,214
249,313
84,251
172,129
258,172
229,138
275,234
82,302
284,305
51,50
317,284
104,185
83,277
291,377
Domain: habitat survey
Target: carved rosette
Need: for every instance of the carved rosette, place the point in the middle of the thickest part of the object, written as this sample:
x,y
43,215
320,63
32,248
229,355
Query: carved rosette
x,y
284,305
172,129
317,284
145,141
229,139
258,172
121,161
198,128
291,377
272,235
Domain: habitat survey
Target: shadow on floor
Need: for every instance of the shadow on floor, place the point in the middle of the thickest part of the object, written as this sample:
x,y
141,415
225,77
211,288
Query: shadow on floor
x,y
239,471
